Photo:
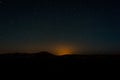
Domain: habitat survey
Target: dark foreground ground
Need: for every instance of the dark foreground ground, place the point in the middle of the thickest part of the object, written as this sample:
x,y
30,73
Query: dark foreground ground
x,y
46,61
45,57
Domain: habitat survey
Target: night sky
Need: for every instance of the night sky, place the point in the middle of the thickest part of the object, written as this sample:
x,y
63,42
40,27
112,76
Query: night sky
x,y
82,25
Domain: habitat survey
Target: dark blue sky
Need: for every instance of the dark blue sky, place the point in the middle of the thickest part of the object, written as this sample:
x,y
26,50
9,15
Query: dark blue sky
x,y
38,24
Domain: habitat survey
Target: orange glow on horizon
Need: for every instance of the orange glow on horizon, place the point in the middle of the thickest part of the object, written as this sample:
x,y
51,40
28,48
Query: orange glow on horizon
x,y
63,50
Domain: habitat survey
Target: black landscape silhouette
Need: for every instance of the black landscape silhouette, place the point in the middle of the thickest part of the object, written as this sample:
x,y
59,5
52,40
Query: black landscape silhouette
x,y
45,56
47,61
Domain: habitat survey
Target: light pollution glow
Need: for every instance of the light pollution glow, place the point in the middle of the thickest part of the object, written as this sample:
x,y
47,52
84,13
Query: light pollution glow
x,y
57,49
63,50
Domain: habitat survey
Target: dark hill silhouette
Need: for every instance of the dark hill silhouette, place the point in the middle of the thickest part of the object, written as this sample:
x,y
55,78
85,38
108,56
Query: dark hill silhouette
x,y
47,61
49,58
44,54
